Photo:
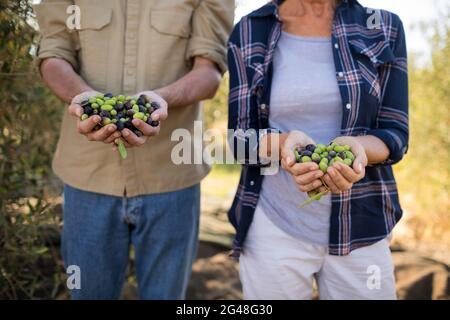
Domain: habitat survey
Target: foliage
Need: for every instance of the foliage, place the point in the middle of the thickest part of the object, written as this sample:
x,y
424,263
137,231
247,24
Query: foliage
x,y
29,121
424,174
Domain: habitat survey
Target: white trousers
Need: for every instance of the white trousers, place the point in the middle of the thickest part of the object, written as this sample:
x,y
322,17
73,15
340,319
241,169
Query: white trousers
x,y
277,266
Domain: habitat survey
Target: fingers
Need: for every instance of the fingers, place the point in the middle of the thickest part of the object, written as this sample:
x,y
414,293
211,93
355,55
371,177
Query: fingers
x,y
359,165
340,182
86,126
145,128
75,110
113,137
102,134
159,114
347,172
310,186
308,177
287,158
303,168
133,139
333,188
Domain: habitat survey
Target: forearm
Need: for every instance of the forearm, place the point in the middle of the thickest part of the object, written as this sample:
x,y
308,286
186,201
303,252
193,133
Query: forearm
x,y
62,80
199,84
376,150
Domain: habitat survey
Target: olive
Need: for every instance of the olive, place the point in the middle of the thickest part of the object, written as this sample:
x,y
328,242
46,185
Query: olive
x,y
347,147
332,153
138,115
306,153
100,102
130,112
142,109
324,154
323,166
113,112
337,159
92,99
135,108
349,155
155,105
108,95
107,107
119,106
153,123
342,155
138,133
339,148
315,156
306,159
297,155
104,114
127,105
120,125
84,103
88,110
310,147
318,150
84,116
106,121
348,162
140,101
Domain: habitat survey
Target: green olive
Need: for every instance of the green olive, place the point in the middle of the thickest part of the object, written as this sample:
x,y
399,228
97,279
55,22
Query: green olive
x,y
107,107
114,121
100,96
348,162
329,148
339,148
138,115
133,102
346,147
349,155
135,108
317,150
297,156
338,159
95,105
324,160
324,154
144,118
123,120
121,98
306,159
113,112
323,166
106,121
315,156
84,116
111,102
92,99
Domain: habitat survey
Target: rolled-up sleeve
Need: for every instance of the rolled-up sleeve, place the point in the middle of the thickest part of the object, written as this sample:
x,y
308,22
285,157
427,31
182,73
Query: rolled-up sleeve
x,y
56,40
392,120
212,22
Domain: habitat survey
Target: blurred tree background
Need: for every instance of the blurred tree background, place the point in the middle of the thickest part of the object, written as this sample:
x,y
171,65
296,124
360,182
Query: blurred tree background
x,y
30,212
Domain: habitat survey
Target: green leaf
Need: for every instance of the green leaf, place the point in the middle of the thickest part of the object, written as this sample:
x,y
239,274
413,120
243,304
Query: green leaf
x,y
122,150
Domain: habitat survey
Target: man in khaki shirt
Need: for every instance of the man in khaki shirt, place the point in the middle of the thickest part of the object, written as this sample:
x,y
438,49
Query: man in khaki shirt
x,y
173,51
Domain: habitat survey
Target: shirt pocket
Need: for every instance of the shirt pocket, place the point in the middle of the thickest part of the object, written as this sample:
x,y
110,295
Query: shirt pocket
x,y
171,31
370,57
95,43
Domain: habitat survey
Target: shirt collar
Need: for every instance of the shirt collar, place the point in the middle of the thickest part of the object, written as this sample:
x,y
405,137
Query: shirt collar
x,y
272,8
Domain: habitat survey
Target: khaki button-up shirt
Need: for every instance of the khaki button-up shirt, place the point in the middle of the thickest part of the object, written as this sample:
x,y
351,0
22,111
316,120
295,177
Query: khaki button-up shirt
x,y
124,47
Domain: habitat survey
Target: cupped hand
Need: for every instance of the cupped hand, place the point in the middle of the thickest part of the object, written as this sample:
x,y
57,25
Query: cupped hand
x,y
340,177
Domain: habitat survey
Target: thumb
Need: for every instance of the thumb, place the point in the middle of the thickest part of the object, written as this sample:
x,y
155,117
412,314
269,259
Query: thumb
x,y
75,110
358,165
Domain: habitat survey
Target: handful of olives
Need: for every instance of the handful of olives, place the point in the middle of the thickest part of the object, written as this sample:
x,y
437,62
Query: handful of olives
x,y
120,110
324,156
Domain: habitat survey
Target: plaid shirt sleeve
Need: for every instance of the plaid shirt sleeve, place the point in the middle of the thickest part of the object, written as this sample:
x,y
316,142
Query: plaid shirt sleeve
x,y
243,119
392,118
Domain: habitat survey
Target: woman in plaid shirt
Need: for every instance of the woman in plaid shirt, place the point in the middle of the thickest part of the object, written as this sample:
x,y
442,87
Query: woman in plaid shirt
x,y
303,70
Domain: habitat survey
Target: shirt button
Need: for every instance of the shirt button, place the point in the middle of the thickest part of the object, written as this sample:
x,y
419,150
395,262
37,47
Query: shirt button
x,y
263,106
336,46
348,106
252,183
340,74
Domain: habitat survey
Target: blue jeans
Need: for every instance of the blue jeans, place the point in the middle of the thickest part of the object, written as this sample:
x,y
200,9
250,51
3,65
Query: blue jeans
x,y
99,229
